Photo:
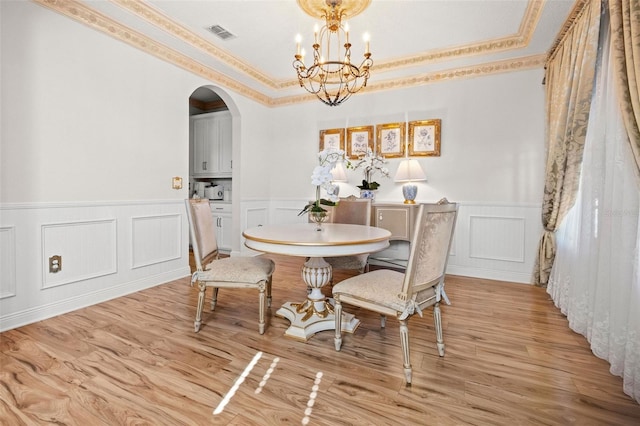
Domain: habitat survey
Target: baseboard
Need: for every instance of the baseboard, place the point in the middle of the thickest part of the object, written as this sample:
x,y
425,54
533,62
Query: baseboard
x,y
490,274
42,312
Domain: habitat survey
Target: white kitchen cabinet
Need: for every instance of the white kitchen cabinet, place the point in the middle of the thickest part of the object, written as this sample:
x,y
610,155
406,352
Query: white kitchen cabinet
x,y
211,145
222,220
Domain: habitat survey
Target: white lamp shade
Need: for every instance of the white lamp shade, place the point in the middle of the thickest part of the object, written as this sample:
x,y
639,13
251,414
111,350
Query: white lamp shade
x,y
339,173
409,171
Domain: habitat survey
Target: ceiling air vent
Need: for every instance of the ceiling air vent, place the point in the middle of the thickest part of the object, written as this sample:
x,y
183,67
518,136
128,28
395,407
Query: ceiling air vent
x,y
221,32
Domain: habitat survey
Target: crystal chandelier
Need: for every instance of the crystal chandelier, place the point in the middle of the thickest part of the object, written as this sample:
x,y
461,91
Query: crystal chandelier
x,y
332,77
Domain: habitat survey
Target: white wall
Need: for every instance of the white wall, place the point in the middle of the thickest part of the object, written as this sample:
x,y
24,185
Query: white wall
x,y
492,138
93,130
92,133
492,162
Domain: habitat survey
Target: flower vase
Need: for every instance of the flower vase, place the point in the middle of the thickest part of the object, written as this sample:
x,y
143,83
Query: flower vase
x,y
318,218
368,194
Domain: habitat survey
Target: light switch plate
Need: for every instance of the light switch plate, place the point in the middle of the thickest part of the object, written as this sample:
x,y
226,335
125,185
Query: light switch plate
x,y
177,182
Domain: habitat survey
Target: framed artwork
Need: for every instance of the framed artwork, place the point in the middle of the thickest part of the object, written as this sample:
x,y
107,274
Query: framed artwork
x,y
390,139
424,138
358,140
332,139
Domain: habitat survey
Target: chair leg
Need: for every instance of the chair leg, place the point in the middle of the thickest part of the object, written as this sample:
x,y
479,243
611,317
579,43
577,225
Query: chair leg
x,y
261,309
437,318
201,296
406,358
383,321
269,291
337,311
214,298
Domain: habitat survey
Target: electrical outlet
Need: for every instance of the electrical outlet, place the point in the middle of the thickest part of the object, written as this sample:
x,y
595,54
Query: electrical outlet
x,y
55,264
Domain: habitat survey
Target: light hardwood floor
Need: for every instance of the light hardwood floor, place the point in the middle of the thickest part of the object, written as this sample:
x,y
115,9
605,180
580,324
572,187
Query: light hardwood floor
x,y
510,360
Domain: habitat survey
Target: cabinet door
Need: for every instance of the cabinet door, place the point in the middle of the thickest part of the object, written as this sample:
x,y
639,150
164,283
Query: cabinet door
x,y
211,145
396,220
200,144
225,145
222,221
225,232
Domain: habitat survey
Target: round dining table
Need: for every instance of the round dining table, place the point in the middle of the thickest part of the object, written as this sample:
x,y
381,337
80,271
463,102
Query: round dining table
x,y
315,313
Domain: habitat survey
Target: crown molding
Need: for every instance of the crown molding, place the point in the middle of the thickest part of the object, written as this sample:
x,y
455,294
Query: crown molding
x,y
152,15
84,14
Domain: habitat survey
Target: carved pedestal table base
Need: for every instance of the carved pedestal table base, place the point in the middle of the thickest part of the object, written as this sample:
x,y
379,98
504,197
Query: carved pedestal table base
x,y
316,312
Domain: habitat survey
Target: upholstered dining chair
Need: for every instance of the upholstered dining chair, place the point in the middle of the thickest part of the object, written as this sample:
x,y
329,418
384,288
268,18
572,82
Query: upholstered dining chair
x,y
402,295
355,211
228,272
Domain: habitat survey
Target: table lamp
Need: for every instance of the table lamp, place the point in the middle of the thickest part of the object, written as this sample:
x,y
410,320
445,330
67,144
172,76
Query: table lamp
x,y
409,171
339,174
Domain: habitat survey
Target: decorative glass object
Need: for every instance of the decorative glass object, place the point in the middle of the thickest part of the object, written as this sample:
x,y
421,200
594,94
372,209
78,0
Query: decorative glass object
x,y
318,218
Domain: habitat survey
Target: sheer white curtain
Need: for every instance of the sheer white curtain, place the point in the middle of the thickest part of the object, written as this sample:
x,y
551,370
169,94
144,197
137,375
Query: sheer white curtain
x,y
595,280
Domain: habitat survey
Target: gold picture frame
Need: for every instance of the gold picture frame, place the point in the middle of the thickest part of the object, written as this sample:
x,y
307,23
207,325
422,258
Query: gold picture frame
x,y
358,140
332,139
424,138
390,140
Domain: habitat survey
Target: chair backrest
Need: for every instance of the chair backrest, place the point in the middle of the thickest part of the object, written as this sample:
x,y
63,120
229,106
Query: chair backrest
x,y
356,211
429,248
202,231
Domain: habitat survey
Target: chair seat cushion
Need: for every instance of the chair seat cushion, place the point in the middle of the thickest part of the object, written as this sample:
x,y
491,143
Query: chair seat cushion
x,y
239,270
380,287
348,262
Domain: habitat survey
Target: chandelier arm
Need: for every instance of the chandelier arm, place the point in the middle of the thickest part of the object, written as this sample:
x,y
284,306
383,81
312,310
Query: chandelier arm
x,y
332,79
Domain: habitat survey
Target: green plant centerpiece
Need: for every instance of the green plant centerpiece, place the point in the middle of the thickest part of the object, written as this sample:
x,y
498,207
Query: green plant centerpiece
x,y
371,164
322,178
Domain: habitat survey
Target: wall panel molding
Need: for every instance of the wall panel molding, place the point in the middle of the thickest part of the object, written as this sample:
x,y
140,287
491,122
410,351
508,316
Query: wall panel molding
x,y
497,238
98,241
155,239
88,250
7,261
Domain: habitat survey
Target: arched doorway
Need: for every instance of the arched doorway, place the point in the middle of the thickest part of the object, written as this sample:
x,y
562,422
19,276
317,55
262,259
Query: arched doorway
x,y
214,135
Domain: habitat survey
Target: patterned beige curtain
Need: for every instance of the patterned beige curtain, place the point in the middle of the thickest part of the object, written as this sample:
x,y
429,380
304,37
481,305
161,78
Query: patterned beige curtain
x,y
625,50
569,79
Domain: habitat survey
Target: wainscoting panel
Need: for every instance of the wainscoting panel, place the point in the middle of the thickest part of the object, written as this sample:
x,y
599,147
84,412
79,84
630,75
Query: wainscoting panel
x,y
7,261
108,249
282,215
155,239
497,238
256,217
496,241
87,250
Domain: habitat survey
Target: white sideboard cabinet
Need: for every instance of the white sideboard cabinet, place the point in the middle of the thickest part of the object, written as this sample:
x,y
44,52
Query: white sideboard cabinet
x,y
211,144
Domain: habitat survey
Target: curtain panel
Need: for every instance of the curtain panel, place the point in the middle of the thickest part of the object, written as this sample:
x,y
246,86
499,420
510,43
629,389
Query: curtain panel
x,y
625,52
569,83
595,280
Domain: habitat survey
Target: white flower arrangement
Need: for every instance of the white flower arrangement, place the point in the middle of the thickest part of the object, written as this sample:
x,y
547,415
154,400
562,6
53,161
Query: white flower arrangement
x,y
321,177
371,164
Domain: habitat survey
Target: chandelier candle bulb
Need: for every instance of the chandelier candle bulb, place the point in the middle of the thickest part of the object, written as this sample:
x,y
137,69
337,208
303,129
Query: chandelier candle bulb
x,y
331,75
